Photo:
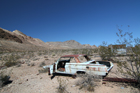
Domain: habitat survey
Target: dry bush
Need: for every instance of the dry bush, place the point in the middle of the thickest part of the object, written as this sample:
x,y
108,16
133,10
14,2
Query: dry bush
x,y
18,64
43,70
42,64
11,60
36,59
53,55
39,53
32,64
88,81
129,64
105,52
45,56
62,85
4,75
4,78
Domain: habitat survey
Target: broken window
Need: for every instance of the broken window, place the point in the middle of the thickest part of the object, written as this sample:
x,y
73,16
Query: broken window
x,y
82,59
72,60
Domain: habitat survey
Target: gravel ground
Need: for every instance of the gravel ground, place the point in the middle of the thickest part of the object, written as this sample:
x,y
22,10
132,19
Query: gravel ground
x,y
27,79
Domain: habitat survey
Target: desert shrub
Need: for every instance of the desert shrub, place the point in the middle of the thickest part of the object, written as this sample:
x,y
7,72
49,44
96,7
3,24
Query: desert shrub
x,y
9,64
19,65
95,50
88,81
11,60
36,59
39,53
3,79
1,52
45,56
62,85
31,54
22,53
53,54
131,66
43,70
42,64
32,64
75,51
28,64
105,52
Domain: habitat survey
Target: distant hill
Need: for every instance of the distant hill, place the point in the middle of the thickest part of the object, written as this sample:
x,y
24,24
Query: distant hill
x,y
8,36
17,40
67,44
72,44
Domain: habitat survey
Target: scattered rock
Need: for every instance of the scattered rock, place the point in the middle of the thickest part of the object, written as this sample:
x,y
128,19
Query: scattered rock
x,y
46,59
103,82
36,59
28,64
45,56
22,62
73,86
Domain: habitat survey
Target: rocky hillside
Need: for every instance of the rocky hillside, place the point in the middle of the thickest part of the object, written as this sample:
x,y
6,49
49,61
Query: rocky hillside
x,y
72,44
17,40
7,36
19,37
67,44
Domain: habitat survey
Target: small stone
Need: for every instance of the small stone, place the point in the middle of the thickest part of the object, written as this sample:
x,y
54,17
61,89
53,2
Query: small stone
x,y
103,82
73,85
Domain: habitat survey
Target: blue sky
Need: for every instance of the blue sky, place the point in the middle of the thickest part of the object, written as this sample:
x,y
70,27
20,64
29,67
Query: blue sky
x,y
86,21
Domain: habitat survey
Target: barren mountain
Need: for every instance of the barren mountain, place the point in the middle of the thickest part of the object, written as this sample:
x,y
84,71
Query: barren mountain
x,y
89,46
7,36
17,40
19,37
72,44
67,44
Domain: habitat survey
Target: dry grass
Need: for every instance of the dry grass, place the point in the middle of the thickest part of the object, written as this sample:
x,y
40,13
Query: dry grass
x,y
43,70
42,64
62,86
10,60
88,81
4,77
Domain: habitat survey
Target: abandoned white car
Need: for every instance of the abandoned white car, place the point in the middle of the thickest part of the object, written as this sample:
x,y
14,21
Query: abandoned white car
x,y
73,64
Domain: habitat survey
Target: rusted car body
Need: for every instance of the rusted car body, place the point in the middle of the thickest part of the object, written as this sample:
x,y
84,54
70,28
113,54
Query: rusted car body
x,y
80,63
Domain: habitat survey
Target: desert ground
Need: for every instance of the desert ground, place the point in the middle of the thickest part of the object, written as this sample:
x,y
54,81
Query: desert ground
x,y
28,77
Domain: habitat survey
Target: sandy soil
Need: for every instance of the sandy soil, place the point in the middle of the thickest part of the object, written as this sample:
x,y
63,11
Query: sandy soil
x,y
27,79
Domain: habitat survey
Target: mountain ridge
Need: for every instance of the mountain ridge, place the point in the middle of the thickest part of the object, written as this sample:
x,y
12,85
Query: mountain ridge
x,y
24,40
